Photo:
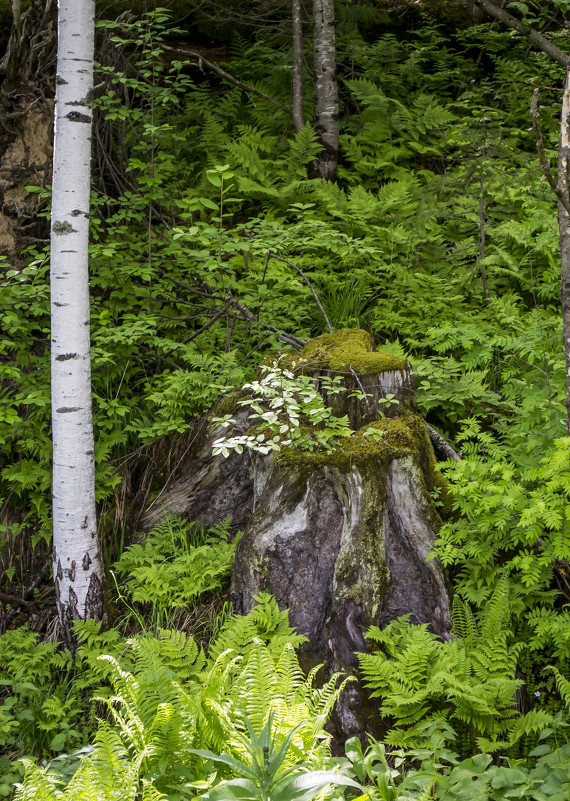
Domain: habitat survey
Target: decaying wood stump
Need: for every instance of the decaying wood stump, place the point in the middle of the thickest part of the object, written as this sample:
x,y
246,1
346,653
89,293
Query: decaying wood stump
x,y
340,537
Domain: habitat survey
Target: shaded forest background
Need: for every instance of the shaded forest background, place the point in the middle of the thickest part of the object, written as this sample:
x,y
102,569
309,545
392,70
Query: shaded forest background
x,y
440,239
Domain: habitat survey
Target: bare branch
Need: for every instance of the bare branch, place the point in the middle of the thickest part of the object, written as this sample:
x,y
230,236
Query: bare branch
x,y
544,162
442,445
27,594
306,280
186,54
210,322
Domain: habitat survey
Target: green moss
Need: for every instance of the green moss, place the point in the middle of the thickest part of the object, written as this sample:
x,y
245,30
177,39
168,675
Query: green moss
x,y
401,435
446,498
229,404
350,347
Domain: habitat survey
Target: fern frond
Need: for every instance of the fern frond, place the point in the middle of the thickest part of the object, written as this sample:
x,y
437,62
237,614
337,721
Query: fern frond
x,y
38,785
562,685
289,675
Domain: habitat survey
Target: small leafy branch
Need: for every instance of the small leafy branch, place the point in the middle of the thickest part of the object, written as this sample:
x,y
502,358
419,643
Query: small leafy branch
x,y
282,402
291,413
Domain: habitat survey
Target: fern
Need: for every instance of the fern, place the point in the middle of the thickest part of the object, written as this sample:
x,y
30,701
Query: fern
x,y
468,680
265,622
169,699
562,685
177,563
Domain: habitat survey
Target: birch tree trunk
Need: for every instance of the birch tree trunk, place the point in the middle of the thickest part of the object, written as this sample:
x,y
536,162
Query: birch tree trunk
x,y
326,90
297,99
76,554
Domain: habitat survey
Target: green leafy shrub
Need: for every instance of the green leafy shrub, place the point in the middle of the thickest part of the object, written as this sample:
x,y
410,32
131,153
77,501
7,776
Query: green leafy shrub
x,y
435,772
46,694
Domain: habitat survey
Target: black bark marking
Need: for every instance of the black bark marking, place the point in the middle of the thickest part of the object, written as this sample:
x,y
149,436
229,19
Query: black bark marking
x,y
59,573
60,81
77,116
60,228
73,604
60,305
72,571
64,357
67,409
67,614
94,599
86,560
84,524
345,629
76,213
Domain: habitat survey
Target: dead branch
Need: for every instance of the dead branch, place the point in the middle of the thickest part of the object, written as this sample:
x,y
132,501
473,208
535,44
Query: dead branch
x,y
544,162
186,54
525,30
26,596
306,280
442,445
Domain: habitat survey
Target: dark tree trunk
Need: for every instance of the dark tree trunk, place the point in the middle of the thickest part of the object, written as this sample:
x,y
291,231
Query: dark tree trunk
x,y
26,124
326,89
564,230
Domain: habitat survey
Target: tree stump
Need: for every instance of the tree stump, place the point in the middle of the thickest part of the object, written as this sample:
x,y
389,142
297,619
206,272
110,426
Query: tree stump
x,y
340,537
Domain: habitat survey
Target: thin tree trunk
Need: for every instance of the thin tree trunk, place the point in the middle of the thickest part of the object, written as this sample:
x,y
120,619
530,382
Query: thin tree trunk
x,y
76,554
326,90
482,236
564,231
297,99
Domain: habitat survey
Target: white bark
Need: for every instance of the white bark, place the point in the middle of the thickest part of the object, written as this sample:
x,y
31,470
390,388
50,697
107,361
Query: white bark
x,y
297,88
326,90
76,553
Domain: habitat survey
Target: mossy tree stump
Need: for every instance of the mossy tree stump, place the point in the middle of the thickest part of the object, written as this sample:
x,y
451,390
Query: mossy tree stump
x,y
340,537
374,375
